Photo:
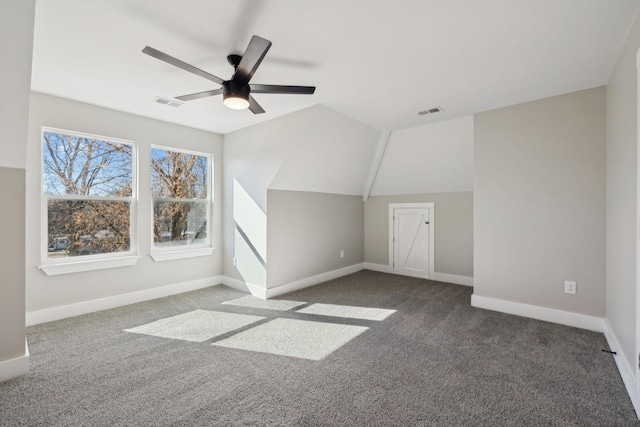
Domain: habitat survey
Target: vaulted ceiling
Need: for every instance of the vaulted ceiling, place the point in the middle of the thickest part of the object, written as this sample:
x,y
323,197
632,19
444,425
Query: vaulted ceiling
x,y
377,61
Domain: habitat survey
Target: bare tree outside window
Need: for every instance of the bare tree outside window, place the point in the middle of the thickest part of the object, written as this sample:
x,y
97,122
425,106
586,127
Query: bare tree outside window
x,y
88,191
180,192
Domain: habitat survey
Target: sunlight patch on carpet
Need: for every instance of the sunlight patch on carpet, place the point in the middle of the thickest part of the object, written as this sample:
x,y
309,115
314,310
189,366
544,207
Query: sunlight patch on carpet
x,y
365,313
294,338
196,326
271,304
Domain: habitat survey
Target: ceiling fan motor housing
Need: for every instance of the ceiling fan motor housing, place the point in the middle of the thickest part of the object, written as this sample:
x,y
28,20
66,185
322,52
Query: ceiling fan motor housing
x,y
232,89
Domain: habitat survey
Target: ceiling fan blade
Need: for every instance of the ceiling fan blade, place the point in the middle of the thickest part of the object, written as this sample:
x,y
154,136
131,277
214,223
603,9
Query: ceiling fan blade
x,y
253,56
299,90
254,106
180,64
199,95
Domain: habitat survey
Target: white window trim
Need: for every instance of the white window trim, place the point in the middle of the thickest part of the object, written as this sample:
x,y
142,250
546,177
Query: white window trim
x,y
191,252
52,267
188,251
88,265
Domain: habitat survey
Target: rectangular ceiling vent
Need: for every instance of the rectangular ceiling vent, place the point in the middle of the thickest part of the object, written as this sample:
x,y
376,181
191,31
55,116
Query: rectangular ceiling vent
x,y
430,111
168,102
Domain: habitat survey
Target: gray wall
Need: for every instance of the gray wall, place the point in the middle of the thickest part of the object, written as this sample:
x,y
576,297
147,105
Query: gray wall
x,y
539,202
306,232
52,291
454,229
622,170
16,33
12,282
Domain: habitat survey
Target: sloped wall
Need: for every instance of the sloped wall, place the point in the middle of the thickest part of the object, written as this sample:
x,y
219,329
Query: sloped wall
x,y
333,156
312,151
434,158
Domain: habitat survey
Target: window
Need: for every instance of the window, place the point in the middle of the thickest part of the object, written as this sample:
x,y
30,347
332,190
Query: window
x,y
181,200
88,191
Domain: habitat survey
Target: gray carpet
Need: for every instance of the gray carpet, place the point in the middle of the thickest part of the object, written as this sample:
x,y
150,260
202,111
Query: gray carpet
x,y
436,361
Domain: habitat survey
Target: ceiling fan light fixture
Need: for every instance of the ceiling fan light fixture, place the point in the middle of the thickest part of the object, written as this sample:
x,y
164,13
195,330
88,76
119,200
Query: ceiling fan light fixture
x,y
235,96
236,102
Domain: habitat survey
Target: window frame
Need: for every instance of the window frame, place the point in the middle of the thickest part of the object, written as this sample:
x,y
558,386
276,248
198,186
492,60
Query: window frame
x,y
95,261
168,253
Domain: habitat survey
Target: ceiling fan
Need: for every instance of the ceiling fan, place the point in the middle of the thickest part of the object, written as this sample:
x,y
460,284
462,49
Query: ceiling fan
x,y
237,91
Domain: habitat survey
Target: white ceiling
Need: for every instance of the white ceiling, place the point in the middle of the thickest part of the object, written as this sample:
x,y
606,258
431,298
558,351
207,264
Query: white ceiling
x,y
377,61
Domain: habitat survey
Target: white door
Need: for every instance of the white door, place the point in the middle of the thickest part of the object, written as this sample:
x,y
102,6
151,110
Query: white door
x,y
411,241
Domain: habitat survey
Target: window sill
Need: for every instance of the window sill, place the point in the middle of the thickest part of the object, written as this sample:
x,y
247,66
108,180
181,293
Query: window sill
x,y
181,254
88,265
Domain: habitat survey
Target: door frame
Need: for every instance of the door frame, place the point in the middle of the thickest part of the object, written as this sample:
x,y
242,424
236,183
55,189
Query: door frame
x,y
432,227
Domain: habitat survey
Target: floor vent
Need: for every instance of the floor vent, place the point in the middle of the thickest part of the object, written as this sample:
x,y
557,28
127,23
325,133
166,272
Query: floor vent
x,y
430,111
169,102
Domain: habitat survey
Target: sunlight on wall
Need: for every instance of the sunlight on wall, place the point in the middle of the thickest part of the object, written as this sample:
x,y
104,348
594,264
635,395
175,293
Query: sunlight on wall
x,y
248,264
250,249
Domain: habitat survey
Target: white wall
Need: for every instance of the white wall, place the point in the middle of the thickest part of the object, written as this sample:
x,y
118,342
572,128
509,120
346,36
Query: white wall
x,y
52,291
332,156
622,188
434,158
539,202
16,46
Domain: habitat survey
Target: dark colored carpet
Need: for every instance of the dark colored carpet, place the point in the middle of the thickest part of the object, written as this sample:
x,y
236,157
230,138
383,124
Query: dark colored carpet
x,y
435,362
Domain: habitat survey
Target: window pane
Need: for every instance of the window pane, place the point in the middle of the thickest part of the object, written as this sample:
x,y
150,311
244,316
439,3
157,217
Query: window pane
x,y
83,227
179,223
177,175
86,166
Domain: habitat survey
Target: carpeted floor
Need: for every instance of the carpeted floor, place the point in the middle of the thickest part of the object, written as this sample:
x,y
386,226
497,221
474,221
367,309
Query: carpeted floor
x,y
430,360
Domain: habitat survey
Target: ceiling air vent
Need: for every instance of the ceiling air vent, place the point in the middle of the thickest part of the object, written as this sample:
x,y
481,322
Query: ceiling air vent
x,y
429,111
169,102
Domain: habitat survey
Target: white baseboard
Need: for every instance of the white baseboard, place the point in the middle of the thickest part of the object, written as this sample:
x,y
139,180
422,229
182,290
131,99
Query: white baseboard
x,y
77,309
440,277
15,367
265,293
576,320
236,284
257,290
381,268
453,278
313,280
250,288
628,378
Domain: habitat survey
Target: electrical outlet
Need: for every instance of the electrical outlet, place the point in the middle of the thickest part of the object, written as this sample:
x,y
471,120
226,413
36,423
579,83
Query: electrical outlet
x,y
570,287
342,253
